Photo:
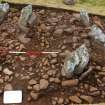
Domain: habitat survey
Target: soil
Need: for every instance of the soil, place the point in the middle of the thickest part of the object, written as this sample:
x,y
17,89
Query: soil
x,y
56,30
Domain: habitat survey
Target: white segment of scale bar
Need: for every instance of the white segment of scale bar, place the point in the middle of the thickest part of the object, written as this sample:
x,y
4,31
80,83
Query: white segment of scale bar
x,y
16,52
49,52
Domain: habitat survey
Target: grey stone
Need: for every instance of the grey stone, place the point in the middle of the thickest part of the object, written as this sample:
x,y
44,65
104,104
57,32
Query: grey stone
x,y
4,8
32,20
97,37
97,34
69,2
27,17
84,17
76,61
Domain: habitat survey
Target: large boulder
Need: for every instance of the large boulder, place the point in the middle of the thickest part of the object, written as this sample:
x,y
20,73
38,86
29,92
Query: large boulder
x,y
76,62
4,8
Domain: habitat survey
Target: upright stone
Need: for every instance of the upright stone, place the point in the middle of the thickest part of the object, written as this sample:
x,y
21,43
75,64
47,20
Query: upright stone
x,y
26,17
4,8
75,62
84,17
98,44
97,34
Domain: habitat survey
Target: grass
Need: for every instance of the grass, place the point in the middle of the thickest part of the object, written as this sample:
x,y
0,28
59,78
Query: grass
x,y
92,6
93,2
89,2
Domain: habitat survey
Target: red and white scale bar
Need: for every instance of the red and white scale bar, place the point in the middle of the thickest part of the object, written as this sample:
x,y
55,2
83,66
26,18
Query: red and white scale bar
x,y
17,52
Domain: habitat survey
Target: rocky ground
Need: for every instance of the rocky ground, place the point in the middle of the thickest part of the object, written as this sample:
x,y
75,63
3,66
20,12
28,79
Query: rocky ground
x,y
40,77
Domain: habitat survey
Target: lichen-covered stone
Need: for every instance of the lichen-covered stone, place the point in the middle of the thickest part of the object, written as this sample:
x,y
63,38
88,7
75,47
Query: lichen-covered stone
x,y
27,17
76,61
98,45
97,34
4,8
84,17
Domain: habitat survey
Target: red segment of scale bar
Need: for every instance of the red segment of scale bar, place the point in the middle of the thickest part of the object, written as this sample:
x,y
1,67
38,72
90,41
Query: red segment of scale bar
x,y
35,53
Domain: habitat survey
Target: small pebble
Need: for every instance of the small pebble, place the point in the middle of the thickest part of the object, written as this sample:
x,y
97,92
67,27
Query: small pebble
x,y
7,71
75,99
43,84
34,95
88,99
32,82
70,83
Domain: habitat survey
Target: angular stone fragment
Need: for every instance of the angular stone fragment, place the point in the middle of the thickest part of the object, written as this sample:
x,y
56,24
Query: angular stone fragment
x,y
84,17
98,45
76,61
27,17
43,84
32,82
22,38
88,99
8,87
75,99
34,95
4,8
